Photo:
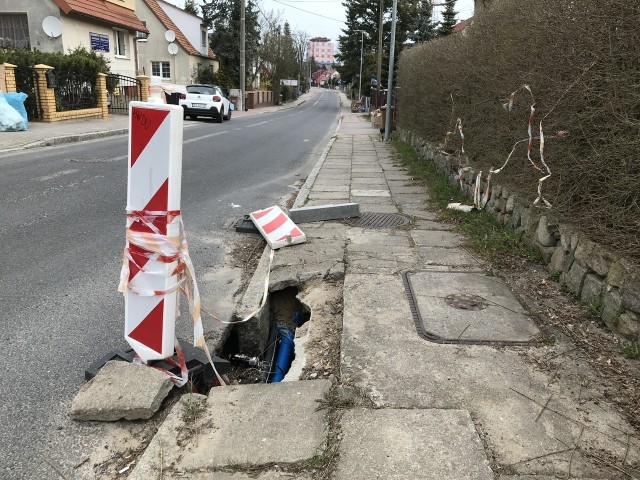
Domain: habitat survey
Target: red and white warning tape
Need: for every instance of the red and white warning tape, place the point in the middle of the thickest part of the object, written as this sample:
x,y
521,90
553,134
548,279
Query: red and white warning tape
x,y
154,245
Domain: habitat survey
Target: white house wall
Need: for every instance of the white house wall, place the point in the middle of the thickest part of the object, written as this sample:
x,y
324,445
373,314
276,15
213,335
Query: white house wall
x,y
189,24
155,48
36,13
75,33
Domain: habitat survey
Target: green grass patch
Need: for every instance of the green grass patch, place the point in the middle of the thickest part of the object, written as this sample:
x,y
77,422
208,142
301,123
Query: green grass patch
x,y
593,308
631,350
485,235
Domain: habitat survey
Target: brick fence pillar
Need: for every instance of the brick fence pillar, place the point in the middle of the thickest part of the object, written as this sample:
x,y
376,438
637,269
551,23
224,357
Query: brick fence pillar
x,y
101,87
9,75
46,95
144,88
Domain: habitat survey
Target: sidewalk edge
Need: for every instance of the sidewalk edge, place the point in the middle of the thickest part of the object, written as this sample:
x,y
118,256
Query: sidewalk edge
x,y
61,140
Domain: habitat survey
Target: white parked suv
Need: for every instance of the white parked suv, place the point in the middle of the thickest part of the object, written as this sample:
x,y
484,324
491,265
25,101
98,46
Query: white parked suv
x,y
205,101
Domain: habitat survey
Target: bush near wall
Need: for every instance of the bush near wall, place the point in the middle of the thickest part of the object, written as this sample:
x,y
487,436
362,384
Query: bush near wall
x,y
581,61
79,60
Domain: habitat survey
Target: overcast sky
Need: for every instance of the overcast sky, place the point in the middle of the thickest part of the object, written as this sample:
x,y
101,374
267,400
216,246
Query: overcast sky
x,y
325,18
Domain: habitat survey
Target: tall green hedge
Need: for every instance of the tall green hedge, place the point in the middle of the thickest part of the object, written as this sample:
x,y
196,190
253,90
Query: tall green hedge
x,y
581,61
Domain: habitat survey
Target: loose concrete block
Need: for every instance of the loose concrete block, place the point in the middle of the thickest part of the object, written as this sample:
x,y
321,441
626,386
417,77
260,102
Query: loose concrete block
x,y
411,444
592,288
258,424
121,390
325,212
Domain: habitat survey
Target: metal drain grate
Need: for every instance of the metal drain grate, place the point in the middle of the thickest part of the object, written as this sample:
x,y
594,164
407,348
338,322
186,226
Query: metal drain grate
x,y
377,220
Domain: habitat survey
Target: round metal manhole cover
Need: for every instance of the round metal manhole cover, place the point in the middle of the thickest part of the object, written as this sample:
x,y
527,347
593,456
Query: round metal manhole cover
x,y
377,220
465,301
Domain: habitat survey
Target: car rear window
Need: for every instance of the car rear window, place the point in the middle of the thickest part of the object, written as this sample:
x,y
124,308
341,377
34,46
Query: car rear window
x,y
202,90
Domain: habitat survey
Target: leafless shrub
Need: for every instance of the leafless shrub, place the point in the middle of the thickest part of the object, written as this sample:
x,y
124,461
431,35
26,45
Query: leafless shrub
x,y
582,61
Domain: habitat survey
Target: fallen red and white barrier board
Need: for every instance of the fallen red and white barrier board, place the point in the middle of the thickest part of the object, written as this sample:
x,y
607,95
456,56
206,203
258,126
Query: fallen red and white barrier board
x,y
277,228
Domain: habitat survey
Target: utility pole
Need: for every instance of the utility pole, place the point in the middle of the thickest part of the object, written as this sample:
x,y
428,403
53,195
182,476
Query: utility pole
x,y
361,50
379,72
387,124
242,53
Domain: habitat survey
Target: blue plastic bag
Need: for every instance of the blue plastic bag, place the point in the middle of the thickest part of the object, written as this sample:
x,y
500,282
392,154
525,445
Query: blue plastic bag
x,y
16,100
10,119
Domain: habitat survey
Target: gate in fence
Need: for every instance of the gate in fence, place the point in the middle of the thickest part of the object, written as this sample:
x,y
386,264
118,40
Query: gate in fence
x,y
120,91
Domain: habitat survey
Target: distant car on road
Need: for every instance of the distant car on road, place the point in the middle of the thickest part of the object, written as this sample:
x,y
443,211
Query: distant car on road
x,y
205,101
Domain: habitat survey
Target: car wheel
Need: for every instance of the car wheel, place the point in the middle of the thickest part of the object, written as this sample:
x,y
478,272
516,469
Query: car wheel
x,y
220,117
193,117
229,115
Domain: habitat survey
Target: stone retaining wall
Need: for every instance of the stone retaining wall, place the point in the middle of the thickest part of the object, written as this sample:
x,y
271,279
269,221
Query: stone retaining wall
x,y
594,274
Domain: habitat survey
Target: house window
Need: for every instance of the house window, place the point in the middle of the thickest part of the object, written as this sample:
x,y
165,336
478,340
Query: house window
x,y
14,30
160,69
121,39
203,38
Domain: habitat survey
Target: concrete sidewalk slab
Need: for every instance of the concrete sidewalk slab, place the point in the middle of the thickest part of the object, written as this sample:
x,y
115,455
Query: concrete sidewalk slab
x,y
411,444
121,390
382,354
250,424
437,238
470,306
236,476
454,257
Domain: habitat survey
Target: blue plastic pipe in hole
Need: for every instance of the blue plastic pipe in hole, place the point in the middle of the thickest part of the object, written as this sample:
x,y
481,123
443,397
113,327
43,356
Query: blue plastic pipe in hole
x,y
285,352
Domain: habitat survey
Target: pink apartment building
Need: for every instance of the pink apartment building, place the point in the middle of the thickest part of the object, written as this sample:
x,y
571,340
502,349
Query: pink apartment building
x,y
323,50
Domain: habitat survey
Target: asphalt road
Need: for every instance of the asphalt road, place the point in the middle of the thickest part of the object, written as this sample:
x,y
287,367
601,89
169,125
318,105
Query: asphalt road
x,y
61,237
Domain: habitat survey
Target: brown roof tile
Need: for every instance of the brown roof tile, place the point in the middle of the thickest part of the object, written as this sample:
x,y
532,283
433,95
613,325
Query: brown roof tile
x,y
102,11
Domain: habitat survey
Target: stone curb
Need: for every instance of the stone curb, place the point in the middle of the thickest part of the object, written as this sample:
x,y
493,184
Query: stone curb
x,y
61,140
253,294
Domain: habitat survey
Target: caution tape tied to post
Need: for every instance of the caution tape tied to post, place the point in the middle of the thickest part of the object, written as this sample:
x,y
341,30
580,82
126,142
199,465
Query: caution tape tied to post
x,y
162,248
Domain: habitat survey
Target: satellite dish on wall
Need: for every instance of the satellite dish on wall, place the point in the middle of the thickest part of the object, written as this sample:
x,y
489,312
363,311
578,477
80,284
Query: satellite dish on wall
x,y
173,48
169,35
52,27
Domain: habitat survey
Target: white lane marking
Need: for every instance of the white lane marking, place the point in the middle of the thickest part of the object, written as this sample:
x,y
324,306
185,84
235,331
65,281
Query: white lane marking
x,y
236,129
191,140
306,140
56,175
256,124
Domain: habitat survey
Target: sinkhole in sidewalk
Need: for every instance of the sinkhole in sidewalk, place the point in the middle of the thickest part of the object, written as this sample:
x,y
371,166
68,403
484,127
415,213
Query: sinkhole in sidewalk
x,y
271,355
